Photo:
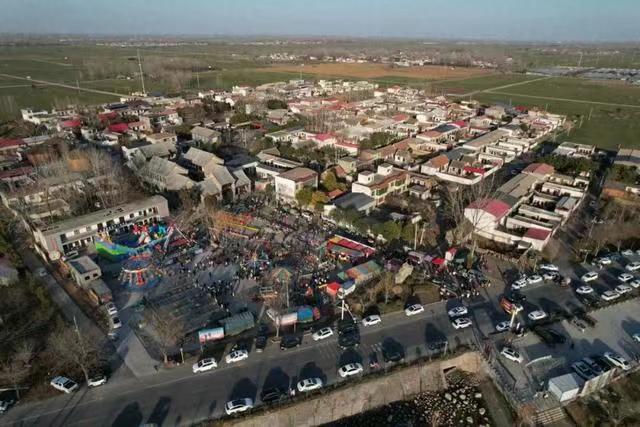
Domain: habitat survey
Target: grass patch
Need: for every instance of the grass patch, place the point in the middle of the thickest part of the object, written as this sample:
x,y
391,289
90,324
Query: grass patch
x,y
481,83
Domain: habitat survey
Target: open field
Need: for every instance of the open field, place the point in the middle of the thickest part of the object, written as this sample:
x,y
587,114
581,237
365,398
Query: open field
x,y
376,71
463,86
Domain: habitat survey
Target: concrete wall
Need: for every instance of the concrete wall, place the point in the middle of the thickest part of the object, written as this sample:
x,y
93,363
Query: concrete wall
x,y
360,397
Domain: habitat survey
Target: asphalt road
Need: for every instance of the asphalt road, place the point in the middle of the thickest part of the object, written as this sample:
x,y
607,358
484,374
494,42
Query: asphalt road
x,y
179,397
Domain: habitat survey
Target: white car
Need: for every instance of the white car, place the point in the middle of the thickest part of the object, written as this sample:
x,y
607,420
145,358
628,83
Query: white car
x,y
413,309
635,283
589,277
520,283
617,360
636,337
111,309
633,266
511,354
309,384
604,260
503,326
537,315
238,405
549,267
97,381
625,277
532,280
236,356
610,295
64,384
371,320
628,252
549,275
350,369
115,322
461,323
5,405
623,289
458,311
584,290
321,334
204,365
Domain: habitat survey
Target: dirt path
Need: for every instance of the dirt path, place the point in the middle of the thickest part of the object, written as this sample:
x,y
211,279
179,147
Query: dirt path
x,y
490,90
497,407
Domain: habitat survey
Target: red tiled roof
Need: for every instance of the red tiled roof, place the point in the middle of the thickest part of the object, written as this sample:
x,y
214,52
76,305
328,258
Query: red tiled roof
x,y
9,143
324,136
439,161
70,124
460,123
539,169
471,169
537,234
494,207
401,117
119,127
107,116
335,193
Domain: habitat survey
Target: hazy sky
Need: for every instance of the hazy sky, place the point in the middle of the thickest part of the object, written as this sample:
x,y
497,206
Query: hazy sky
x,y
552,20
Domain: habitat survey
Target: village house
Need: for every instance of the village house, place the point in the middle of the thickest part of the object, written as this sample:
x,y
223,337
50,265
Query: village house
x,y
202,135
385,181
289,183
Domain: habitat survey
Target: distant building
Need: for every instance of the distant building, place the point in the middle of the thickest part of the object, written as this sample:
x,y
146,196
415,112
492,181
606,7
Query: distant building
x,y
571,149
203,135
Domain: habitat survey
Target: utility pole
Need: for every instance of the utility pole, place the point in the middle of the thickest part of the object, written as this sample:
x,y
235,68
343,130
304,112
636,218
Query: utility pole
x,y
141,73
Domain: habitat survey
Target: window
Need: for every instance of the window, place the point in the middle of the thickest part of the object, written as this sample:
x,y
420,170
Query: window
x,y
87,277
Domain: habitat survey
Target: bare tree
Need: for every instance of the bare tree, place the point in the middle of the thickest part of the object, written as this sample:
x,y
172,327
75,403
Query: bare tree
x,y
168,329
16,368
74,348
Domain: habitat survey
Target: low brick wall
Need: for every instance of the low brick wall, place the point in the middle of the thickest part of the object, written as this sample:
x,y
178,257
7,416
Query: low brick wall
x,y
365,395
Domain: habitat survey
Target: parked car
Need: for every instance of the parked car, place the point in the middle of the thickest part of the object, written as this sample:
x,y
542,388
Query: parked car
x,y
584,290
349,340
350,369
604,260
579,324
633,266
593,365
309,384
238,405
371,320
549,267
271,395
537,315
322,333
520,283
392,353
236,356
261,343
550,275
602,361
115,322
628,252
511,354
583,370
625,277
589,277
5,404
290,341
610,295
635,283
636,337
461,323
458,311
623,289
532,280
503,326
111,309
204,365
617,360
97,380
64,384
414,309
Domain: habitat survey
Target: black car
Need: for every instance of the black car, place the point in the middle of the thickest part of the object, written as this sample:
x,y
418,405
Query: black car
x,y
261,343
604,364
549,336
290,341
271,395
348,329
557,336
517,296
349,340
392,353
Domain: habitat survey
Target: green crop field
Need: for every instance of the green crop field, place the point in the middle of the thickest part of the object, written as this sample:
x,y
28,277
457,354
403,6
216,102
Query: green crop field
x,y
480,83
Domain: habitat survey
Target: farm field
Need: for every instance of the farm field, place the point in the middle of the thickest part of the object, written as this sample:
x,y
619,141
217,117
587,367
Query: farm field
x,y
377,71
462,86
